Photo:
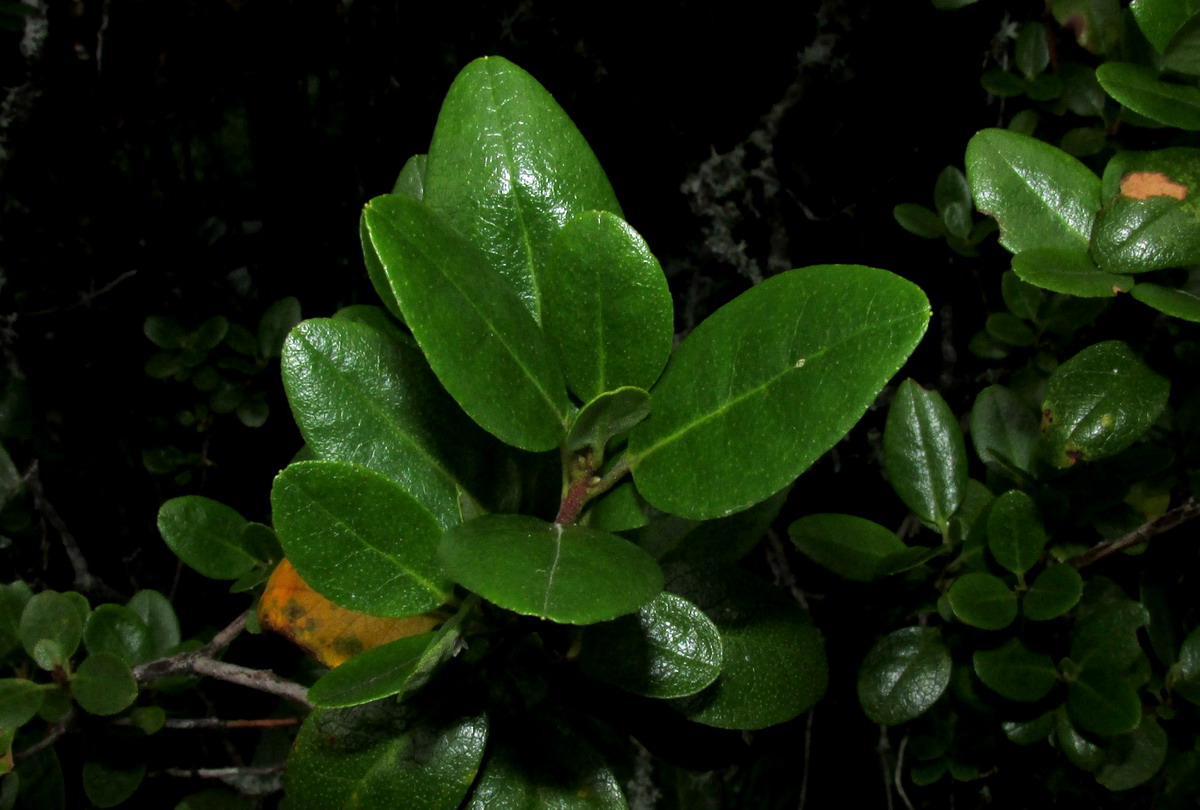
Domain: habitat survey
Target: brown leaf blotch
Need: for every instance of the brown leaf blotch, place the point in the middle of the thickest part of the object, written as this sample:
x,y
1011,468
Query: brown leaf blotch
x,y
1144,185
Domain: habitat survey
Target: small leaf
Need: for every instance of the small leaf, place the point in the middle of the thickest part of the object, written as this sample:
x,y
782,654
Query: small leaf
x,y
1070,272
480,340
852,547
120,631
1010,330
20,700
411,180
606,306
1082,752
358,538
1140,89
380,672
1099,402
1106,636
329,633
1029,731
568,574
276,322
1103,702
1176,303
103,685
1041,196
903,675
610,414
1133,759
206,535
1004,430
1016,535
757,370
1032,51
924,453
163,332
1016,672
668,649
725,539
51,616
919,220
109,787
1055,591
982,600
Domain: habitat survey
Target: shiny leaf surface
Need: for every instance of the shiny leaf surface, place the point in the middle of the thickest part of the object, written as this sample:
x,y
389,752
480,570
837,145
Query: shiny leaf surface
x,y
903,675
924,453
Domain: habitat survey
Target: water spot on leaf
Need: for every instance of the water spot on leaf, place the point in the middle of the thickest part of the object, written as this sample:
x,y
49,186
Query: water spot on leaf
x,y
1144,185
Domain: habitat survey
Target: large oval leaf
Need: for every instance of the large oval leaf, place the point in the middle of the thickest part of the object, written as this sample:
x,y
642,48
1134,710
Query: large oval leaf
x,y
568,574
903,675
924,454
507,167
359,539
1140,89
1041,196
379,756
606,306
1099,402
777,375
359,397
207,535
482,343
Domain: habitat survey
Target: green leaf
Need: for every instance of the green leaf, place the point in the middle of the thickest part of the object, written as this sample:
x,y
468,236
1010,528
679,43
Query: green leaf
x,y
379,672
606,306
618,510
1161,19
50,616
785,358
108,787
275,324
1176,303
1010,330
376,271
1183,53
1084,141
1134,758
1150,222
1016,672
19,702
378,319
1032,51
379,755
725,539
120,631
1098,403
1082,752
668,649
1055,591
1106,636
982,600
361,397
903,675
919,220
411,180
609,414
507,168
359,539
480,340
1041,196
924,454
1140,89
207,536
150,719
1102,701
1184,675
10,478
1004,430
103,684
851,547
41,782
1016,535
1029,731
163,332
1097,24
774,664
568,574
1071,272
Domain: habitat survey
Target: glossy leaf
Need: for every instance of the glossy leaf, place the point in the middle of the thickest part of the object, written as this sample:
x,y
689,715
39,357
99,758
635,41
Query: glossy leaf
x,y
1140,89
1004,430
380,672
851,547
919,220
1103,702
359,397
411,180
1016,535
620,509
207,536
1098,403
1161,19
774,664
606,306
375,270
610,414
20,700
1070,272
507,168
1016,672
982,600
1055,591
1030,731
1082,752
568,574
924,453
1106,637
1177,303
1150,222
120,631
668,649
50,616
358,538
329,633
785,358
903,675
379,755
1041,196
482,343
109,787
103,684
1133,759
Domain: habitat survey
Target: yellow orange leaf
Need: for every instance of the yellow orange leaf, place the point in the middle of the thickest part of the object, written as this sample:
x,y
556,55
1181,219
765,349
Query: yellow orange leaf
x,y
327,632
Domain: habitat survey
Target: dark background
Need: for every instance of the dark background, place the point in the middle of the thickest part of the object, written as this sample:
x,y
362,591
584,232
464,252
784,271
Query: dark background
x,y
195,158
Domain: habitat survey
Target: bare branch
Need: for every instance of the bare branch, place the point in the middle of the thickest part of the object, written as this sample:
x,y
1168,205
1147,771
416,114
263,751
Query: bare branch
x,y
1186,511
52,736
219,724
222,773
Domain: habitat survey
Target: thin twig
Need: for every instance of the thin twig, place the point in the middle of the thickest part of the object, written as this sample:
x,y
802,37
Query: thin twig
x,y
52,736
221,773
808,733
900,772
1186,511
884,749
219,724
